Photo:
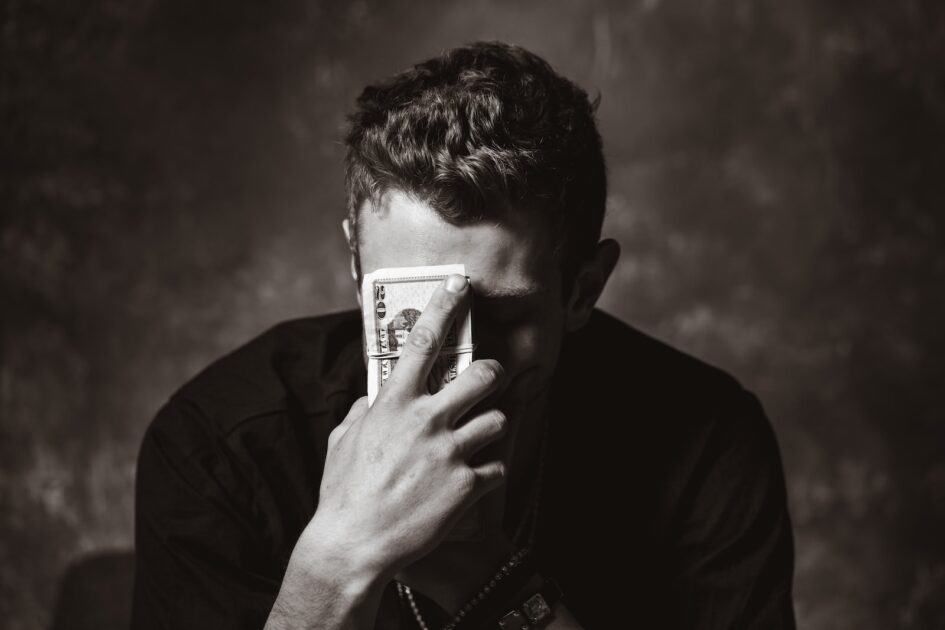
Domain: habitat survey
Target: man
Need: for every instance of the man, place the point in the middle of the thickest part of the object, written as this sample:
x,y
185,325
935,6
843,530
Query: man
x,y
619,483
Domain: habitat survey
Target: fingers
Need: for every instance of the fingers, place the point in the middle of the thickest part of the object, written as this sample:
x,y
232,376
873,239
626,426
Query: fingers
x,y
427,336
474,384
479,431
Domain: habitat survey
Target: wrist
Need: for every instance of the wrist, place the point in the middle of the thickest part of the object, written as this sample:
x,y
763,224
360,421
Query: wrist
x,y
327,548
327,585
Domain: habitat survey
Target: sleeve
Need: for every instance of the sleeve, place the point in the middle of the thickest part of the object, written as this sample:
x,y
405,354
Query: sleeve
x,y
197,552
736,556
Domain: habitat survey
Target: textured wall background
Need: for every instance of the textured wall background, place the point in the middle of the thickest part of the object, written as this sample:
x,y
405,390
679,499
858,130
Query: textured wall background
x,y
171,186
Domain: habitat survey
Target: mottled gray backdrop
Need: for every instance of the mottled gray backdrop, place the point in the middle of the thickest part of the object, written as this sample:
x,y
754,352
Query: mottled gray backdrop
x,y
172,186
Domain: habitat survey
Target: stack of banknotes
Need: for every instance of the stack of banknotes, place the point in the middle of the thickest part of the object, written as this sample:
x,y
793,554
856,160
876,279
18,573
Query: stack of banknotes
x,y
392,301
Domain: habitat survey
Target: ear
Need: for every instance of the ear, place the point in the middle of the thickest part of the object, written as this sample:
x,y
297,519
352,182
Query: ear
x,y
346,228
589,283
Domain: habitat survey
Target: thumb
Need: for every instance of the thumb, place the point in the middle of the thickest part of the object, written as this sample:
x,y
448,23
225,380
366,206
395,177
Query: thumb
x,y
357,411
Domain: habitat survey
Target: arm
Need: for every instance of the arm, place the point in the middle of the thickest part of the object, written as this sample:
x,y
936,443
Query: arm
x,y
735,556
196,563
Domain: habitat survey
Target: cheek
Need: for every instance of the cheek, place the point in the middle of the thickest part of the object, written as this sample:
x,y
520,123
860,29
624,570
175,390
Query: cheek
x,y
520,347
526,345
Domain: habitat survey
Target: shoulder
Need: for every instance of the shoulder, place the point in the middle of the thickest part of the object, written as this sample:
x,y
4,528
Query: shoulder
x,y
636,354
632,369
296,362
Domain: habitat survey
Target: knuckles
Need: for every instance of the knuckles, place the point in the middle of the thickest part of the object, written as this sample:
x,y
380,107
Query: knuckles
x,y
334,436
424,415
450,449
422,340
467,480
359,408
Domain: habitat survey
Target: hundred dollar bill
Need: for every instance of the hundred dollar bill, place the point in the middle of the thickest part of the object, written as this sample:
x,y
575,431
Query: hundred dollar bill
x,y
392,301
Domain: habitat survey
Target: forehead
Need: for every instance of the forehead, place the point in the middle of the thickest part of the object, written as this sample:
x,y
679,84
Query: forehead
x,y
509,258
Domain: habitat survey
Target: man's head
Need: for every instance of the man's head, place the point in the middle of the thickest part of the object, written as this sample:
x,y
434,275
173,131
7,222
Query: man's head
x,y
485,156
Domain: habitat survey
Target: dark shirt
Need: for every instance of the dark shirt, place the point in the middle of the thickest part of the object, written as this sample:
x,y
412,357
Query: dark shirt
x,y
663,502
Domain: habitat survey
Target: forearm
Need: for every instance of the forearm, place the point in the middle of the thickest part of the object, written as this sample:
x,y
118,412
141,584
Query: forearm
x,y
326,589
313,603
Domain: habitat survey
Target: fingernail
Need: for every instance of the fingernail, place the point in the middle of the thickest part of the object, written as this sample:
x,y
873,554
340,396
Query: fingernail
x,y
455,283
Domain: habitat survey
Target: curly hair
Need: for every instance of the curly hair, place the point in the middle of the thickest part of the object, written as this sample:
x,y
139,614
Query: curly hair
x,y
477,132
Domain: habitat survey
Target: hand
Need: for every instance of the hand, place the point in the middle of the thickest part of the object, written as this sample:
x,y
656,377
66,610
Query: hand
x,y
397,476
